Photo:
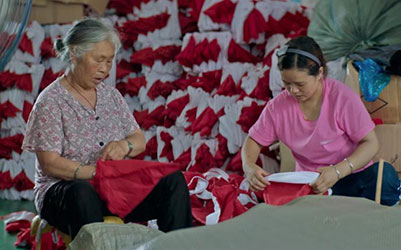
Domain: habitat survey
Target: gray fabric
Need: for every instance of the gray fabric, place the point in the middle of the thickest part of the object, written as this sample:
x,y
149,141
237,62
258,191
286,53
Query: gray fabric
x,y
107,236
310,222
342,27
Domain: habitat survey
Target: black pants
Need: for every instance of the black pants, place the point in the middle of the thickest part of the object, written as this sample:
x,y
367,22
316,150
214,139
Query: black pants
x,y
363,184
68,205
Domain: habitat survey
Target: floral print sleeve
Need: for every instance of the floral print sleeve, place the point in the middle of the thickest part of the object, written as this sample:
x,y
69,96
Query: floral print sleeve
x,y
127,118
44,129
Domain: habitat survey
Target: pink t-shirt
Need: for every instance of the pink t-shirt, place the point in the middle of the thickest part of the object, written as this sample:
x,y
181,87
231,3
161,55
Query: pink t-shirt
x,y
342,123
59,123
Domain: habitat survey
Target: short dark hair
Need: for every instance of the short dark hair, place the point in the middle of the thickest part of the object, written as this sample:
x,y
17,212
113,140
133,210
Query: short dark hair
x,y
293,60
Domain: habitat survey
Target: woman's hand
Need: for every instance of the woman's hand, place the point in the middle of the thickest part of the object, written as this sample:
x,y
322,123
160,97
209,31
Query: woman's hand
x,y
255,176
327,178
115,150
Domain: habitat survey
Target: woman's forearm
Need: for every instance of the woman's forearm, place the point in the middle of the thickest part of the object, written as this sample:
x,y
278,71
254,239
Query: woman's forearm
x,y
62,168
250,151
138,141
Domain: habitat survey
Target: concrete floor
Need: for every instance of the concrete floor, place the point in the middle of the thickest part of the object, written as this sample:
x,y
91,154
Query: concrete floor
x,y
7,206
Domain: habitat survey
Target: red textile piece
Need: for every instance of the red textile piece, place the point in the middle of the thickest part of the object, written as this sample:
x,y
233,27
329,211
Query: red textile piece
x,y
187,23
124,68
254,24
7,109
235,164
26,44
184,159
47,49
26,110
249,115
221,12
195,54
21,81
131,29
5,180
228,87
151,149
290,25
168,148
191,115
24,238
238,54
124,184
124,7
11,143
204,160
133,85
205,122
48,77
22,182
174,109
222,151
160,88
280,193
147,120
16,226
262,89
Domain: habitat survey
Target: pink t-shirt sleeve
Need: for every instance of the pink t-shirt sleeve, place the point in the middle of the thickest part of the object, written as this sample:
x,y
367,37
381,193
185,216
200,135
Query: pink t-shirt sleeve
x,y
355,119
44,129
263,131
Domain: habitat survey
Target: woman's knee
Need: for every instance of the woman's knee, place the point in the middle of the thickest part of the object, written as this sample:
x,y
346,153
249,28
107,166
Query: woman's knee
x,y
390,184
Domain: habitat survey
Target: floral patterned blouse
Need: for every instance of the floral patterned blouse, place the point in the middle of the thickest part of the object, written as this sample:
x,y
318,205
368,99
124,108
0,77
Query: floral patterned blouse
x,y
59,123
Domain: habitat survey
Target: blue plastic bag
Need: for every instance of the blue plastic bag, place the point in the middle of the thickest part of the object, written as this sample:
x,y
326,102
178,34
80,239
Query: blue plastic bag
x,y
372,79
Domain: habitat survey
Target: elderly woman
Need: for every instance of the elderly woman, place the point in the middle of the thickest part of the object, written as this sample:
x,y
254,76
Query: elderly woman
x,y
77,120
326,126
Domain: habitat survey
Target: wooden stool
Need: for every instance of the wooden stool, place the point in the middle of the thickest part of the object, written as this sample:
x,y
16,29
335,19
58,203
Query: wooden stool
x,y
40,226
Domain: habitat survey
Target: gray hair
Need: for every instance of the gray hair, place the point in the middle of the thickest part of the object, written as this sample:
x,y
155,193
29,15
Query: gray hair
x,y
83,35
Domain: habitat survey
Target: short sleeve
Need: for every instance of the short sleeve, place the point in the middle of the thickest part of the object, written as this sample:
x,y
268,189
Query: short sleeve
x,y
44,128
355,119
127,118
263,131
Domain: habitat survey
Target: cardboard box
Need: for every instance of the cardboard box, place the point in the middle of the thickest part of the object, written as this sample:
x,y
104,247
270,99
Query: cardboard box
x,y
39,2
388,106
389,136
98,5
54,12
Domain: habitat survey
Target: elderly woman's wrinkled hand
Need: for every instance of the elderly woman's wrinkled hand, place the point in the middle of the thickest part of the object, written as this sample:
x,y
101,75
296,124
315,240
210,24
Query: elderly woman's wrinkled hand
x,y
115,150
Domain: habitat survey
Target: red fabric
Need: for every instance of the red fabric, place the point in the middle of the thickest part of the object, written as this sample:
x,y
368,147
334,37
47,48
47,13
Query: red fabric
x,y
174,109
222,151
235,164
5,180
262,89
7,109
184,159
221,12
124,184
151,149
160,88
238,54
26,44
290,25
191,114
205,122
147,120
249,115
48,77
195,54
188,24
24,238
124,68
16,226
254,24
124,7
168,148
47,49
228,87
280,193
132,87
131,29
21,81
26,110
204,160
377,121
11,143
22,182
